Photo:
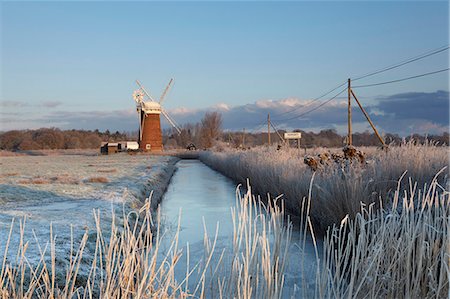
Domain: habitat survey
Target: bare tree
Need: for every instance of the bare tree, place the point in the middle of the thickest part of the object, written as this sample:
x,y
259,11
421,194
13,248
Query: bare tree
x,y
211,128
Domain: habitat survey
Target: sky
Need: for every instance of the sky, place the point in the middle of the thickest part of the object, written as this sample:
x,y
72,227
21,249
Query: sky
x,y
73,64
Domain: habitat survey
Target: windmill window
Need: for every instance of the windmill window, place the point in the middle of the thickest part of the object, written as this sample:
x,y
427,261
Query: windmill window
x,y
148,146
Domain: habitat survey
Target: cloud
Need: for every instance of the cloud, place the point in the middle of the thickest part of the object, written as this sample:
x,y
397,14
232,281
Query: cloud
x,y
417,105
12,104
21,104
117,120
51,104
253,116
404,114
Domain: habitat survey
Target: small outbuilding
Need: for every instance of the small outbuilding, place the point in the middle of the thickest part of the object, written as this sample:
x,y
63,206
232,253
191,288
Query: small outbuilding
x,y
110,148
191,147
129,146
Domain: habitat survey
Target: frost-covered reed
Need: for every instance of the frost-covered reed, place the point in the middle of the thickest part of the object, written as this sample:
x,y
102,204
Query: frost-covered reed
x,y
338,190
396,247
397,251
128,261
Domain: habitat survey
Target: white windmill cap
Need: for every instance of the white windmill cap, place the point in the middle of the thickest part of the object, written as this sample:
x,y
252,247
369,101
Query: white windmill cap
x,y
152,107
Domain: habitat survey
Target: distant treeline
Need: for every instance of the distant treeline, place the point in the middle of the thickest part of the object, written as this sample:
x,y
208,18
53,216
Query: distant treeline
x,y
325,138
53,138
203,135
328,138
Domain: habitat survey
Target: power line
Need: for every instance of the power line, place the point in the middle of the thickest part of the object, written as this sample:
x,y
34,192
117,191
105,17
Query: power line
x,y
315,108
402,63
399,64
257,128
312,101
403,79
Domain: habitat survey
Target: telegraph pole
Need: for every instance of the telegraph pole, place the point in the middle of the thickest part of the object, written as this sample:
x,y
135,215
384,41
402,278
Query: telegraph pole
x,y
349,89
268,128
368,119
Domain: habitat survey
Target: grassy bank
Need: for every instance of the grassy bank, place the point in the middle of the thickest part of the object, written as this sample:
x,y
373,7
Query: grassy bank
x,y
128,260
400,251
338,190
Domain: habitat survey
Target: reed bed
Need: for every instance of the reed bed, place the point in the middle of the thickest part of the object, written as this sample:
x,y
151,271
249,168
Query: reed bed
x,y
128,262
399,251
338,189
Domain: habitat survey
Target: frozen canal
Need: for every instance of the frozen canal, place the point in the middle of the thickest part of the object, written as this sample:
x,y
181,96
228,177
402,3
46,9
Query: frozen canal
x,y
63,191
203,196
204,199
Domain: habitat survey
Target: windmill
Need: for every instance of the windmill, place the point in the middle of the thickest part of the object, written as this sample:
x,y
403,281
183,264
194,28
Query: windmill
x,y
150,135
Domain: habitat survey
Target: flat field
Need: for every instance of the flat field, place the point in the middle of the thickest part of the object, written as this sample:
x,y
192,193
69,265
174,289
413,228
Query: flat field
x,y
64,190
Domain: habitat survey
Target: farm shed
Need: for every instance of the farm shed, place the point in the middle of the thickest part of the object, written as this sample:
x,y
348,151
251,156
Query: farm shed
x,y
129,145
110,148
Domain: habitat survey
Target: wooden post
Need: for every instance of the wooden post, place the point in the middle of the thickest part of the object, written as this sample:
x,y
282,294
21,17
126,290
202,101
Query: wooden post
x,y
243,139
298,144
276,131
368,119
349,90
268,128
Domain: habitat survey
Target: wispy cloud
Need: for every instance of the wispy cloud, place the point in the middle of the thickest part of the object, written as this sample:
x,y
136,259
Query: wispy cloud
x,y
17,104
51,104
404,114
12,104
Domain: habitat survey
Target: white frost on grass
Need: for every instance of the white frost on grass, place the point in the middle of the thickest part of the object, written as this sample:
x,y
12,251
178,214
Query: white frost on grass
x,y
63,191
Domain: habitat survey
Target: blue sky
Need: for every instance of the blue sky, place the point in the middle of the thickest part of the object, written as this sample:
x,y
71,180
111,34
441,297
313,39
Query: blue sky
x,y
81,58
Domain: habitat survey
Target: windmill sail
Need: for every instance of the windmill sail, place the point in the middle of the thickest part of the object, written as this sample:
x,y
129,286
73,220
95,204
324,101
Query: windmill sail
x,y
171,121
166,90
144,91
138,96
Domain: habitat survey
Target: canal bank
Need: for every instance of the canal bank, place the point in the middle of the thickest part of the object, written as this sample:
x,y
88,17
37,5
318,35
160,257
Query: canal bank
x,y
199,210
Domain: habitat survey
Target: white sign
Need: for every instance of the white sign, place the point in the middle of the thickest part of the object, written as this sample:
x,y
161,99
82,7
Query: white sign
x,y
293,135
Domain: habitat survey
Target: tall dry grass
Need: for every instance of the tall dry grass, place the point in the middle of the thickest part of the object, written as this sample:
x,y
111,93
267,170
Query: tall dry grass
x,y
396,251
338,190
128,262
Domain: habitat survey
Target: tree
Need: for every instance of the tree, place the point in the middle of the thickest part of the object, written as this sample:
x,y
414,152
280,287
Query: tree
x,y
49,138
211,128
11,140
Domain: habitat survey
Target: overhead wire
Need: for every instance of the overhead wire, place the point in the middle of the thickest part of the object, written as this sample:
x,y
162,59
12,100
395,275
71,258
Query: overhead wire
x,y
400,80
404,62
315,108
387,68
393,66
312,101
256,128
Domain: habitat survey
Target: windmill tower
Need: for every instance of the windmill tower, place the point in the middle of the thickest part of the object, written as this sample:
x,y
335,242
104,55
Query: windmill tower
x,y
149,112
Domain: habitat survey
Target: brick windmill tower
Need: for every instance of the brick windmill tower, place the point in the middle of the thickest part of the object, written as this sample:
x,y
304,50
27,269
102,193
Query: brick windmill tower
x,y
149,112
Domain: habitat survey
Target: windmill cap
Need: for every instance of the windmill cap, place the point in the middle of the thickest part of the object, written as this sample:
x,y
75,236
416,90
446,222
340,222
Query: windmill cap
x,y
151,107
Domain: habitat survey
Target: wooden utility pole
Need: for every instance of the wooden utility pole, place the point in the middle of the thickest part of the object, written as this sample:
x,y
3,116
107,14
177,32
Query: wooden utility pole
x,y
268,128
349,90
243,139
368,119
276,131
